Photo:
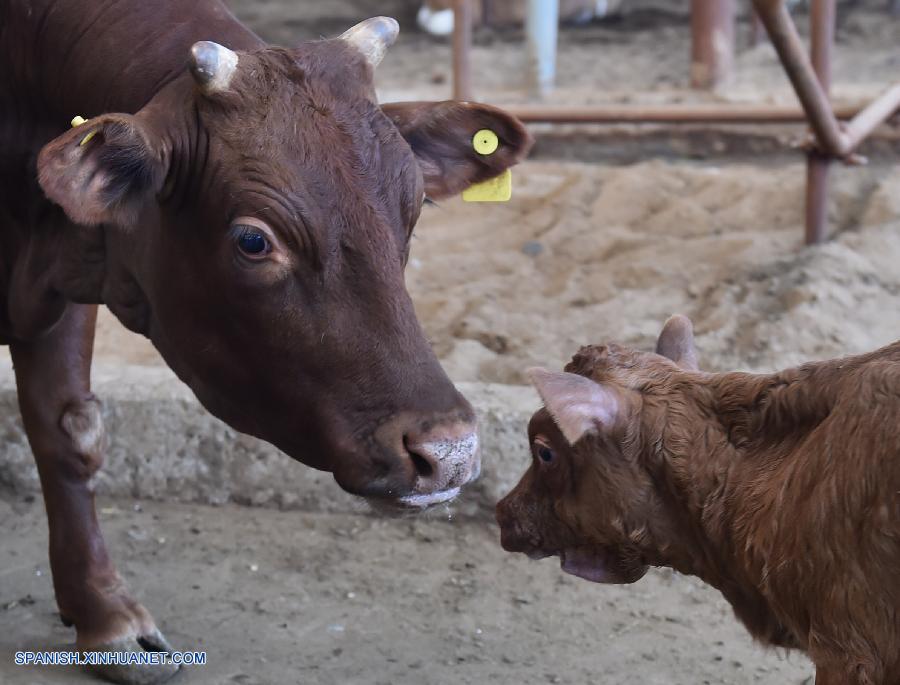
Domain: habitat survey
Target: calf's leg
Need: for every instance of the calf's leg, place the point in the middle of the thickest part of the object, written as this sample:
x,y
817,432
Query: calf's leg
x,y
65,429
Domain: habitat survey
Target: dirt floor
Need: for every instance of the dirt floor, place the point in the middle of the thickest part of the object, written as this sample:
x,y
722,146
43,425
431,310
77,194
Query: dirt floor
x,y
278,598
584,253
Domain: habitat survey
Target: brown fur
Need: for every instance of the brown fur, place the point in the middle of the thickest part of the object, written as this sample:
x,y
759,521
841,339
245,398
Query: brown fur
x,y
312,344
780,490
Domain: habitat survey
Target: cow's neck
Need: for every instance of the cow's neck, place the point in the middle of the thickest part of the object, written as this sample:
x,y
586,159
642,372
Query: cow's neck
x,y
58,59
92,58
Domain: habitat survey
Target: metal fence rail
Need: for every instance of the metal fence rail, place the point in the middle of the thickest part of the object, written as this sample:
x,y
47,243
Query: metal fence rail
x,y
713,36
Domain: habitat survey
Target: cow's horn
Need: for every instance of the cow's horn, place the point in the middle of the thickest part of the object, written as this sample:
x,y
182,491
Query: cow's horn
x,y
212,65
373,37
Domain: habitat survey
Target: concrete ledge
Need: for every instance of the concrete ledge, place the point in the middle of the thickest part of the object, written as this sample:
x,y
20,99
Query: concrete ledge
x,y
164,446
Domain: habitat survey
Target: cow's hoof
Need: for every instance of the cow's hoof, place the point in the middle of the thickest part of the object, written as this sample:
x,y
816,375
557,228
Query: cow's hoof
x,y
137,673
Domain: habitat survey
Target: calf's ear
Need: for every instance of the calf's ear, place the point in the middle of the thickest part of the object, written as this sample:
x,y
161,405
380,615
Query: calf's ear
x,y
577,404
441,136
676,342
102,171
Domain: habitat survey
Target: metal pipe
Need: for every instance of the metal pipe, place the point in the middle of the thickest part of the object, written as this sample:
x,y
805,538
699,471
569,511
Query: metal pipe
x,y
756,28
667,114
818,166
542,27
799,68
875,114
462,50
816,216
712,42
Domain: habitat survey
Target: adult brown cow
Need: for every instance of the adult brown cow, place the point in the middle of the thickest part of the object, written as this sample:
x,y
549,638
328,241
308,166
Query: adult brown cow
x,y
251,215
780,490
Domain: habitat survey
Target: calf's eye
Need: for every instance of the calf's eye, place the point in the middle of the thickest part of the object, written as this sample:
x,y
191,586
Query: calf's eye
x,y
545,454
252,242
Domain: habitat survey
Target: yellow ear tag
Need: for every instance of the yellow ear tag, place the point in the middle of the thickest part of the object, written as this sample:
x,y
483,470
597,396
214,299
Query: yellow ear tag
x,y
78,121
497,189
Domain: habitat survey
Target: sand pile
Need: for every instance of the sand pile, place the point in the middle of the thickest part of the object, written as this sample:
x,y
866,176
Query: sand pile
x,y
587,254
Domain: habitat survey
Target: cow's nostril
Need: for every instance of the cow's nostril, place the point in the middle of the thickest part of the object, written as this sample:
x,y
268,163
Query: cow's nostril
x,y
424,468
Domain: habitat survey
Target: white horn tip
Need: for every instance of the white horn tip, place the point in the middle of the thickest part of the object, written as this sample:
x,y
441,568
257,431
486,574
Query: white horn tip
x,y
373,37
212,65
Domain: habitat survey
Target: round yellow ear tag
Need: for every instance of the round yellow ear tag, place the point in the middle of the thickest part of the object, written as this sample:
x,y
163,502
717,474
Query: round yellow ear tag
x,y
485,142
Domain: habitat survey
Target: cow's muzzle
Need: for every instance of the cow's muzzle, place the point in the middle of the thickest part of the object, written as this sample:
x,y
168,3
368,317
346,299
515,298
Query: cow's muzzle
x,y
445,460
426,461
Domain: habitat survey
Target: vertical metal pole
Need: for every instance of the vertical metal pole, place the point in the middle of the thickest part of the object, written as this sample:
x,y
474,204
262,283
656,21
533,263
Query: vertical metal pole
x,y
542,27
756,27
462,50
818,165
487,12
712,42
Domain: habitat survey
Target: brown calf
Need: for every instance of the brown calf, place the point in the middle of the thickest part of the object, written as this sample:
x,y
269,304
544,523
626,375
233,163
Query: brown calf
x,y
781,490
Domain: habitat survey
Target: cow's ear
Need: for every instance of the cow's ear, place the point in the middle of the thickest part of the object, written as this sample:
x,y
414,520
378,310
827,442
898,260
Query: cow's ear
x,y
103,171
676,342
441,135
577,404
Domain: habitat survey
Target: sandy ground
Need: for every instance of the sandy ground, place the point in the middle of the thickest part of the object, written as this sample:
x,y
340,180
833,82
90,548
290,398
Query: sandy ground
x,y
588,254
347,600
584,253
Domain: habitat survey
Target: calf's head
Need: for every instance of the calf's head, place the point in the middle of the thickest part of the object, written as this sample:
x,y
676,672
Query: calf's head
x,y
589,495
254,219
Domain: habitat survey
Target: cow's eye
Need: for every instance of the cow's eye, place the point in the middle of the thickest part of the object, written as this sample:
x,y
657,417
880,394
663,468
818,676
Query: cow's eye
x,y
545,454
252,242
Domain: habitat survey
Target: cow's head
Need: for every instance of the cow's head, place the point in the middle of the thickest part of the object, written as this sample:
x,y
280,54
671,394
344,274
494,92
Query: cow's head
x,y
589,494
255,221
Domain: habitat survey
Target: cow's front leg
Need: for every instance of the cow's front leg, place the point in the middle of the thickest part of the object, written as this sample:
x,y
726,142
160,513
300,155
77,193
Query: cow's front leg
x,y
65,428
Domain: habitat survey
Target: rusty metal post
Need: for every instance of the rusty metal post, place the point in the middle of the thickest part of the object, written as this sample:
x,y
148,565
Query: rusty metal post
x,y
872,116
818,164
693,114
712,42
756,27
800,70
462,50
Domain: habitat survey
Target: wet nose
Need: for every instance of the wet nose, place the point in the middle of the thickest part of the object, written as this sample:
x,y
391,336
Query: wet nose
x,y
431,457
444,457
